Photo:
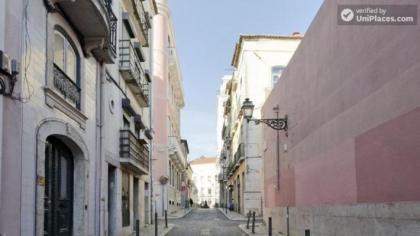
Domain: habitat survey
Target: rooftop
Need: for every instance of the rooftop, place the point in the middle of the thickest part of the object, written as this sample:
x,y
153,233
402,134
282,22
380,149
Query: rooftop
x,y
203,160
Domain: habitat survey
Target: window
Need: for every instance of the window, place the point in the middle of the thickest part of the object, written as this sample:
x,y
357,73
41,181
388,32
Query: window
x,y
276,72
209,191
65,56
125,199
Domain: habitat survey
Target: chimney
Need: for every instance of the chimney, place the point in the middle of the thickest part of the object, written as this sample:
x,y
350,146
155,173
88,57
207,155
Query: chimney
x,y
297,34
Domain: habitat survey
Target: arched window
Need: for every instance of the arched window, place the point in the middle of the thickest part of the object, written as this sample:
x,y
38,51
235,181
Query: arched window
x,y
65,56
66,65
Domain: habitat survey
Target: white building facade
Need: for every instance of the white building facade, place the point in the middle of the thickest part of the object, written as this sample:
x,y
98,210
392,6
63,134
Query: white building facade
x,y
205,178
75,153
258,61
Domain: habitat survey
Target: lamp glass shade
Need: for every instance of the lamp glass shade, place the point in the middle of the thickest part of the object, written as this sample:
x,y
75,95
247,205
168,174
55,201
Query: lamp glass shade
x,y
247,108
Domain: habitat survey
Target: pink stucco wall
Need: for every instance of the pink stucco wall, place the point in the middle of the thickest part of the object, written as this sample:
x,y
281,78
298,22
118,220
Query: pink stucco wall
x,y
352,97
160,100
388,161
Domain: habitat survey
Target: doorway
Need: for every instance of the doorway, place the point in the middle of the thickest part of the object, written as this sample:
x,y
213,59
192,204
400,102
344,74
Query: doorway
x,y
111,199
58,200
136,200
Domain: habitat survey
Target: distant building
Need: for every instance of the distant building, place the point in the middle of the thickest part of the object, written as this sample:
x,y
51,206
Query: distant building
x,y
259,61
205,178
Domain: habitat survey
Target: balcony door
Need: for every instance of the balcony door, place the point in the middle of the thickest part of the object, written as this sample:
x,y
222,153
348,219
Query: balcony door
x,y
59,169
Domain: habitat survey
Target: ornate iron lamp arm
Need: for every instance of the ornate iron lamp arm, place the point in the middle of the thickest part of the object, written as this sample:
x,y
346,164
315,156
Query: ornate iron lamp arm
x,y
277,124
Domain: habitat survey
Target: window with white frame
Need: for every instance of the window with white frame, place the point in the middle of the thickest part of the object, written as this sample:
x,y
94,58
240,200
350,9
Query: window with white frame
x,y
65,56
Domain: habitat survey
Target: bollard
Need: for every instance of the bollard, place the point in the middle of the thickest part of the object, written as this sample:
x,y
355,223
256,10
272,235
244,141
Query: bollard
x,y
137,227
270,227
253,222
166,219
249,217
156,224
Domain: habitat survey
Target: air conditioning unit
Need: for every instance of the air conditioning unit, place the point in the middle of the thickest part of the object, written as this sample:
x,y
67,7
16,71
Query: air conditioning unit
x,y
5,64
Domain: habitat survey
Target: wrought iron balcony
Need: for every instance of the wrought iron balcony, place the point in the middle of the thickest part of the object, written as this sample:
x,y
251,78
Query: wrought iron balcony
x,y
240,153
66,87
137,79
134,152
96,23
142,21
177,152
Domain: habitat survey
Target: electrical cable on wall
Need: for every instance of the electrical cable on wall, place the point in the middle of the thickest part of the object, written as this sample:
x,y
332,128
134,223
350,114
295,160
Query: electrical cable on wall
x,y
28,56
15,71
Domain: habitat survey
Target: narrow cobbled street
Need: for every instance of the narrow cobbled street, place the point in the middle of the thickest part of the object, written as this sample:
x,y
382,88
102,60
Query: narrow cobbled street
x,y
205,222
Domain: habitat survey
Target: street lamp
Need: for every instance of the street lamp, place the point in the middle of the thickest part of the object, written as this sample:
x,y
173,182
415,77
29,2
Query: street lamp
x,y
274,123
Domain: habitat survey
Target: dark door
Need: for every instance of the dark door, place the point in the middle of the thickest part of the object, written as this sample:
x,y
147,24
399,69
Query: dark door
x,y
58,215
111,199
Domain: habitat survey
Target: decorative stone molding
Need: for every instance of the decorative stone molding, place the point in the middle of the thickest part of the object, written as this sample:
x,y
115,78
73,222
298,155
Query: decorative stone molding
x,y
55,100
75,142
90,44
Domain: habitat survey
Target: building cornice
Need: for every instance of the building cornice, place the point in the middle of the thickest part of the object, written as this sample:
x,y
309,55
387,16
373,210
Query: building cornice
x,y
243,38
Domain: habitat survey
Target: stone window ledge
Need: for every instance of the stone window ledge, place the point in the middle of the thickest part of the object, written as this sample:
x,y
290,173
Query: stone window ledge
x,y
55,100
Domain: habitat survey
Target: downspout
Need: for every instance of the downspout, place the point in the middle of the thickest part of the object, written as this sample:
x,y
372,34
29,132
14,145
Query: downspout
x,y
151,198
99,146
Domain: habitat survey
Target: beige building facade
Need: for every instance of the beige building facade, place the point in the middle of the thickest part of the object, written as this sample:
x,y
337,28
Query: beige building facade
x,y
258,62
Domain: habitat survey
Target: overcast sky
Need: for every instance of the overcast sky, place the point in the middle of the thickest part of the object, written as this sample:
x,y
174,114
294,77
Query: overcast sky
x,y
206,32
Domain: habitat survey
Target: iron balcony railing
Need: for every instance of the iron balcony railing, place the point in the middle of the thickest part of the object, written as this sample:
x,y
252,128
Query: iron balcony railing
x,y
132,148
143,17
130,55
113,21
240,152
176,146
67,87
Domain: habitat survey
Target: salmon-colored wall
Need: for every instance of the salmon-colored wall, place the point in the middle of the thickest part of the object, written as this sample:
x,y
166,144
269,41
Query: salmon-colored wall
x,y
160,99
388,161
352,97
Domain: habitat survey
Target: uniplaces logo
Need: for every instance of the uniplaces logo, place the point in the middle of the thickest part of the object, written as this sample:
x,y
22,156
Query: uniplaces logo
x,y
347,14
377,14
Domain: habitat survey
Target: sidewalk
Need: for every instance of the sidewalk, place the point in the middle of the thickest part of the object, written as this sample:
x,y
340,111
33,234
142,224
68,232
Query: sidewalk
x,y
260,229
149,230
178,214
231,215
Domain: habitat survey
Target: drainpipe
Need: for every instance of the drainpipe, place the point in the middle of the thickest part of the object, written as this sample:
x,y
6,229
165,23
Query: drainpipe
x,y
151,198
99,147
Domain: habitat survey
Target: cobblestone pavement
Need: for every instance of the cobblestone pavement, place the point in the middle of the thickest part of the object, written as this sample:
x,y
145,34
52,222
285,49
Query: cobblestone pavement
x,y
205,222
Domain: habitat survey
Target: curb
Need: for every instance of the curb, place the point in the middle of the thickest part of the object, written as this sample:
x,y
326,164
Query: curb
x,y
243,230
177,217
170,227
223,212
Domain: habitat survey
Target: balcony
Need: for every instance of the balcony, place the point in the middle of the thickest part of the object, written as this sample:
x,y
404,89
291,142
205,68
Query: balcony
x,y
142,22
177,152
94,21
227,106
137,79
134,152
240,153
69,90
